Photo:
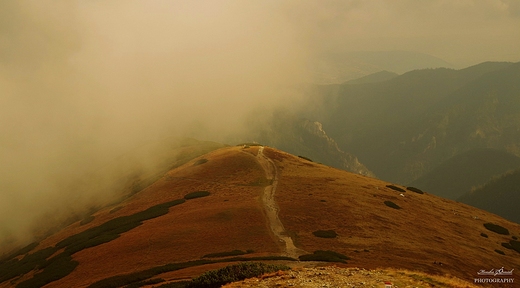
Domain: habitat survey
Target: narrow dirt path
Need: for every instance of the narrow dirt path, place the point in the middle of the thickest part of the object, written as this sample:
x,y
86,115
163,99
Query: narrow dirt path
x,y
271,208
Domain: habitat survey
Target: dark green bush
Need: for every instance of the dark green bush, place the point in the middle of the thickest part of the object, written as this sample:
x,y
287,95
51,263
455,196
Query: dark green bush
x,y
325,233
484,235
232,273
496,228
515,245
500,252
393,187
507,245
56,268
61,265
122,280
392,205
111,229
327,256
200,161
14,267
20,252
225,254
250,144
179,284
196,194
514,238
305,158
416,190
145,283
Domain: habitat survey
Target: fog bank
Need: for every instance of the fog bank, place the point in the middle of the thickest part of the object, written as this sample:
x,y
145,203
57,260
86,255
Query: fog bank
x,y
83,82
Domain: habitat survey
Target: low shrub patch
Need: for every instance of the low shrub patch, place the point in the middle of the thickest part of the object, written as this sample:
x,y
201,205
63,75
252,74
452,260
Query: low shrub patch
x,y
250,144
179,284
325,255
514,238
507,245
484,235
393,187
225,254
126,279
392,205
15,267
111,229
145,283
496,228
196,194
325,233
232,273
56,268
20,252
500,252
515,245
61,265
416,190
305,158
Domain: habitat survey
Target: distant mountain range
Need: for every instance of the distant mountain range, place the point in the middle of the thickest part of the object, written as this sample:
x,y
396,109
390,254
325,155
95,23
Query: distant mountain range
x,y
406,126
443,130
335,68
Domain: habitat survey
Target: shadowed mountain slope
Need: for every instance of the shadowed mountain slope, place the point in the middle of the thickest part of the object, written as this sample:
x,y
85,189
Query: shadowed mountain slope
x,y
406,126
459,174
374,78
500,195
218,209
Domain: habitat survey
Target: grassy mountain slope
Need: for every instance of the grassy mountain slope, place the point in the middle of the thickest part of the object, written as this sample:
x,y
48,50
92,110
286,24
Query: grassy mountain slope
x,y
457,175
198,215
500,195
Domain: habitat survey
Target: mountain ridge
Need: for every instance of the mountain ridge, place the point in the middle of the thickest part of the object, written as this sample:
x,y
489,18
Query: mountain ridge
x,y
406,126
213,204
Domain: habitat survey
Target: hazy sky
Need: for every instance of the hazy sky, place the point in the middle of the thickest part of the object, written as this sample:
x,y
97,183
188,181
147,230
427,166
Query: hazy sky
x,y
83,81
462,32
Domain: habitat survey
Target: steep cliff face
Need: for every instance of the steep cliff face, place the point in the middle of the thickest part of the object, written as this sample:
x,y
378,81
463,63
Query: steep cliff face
x,y
304,137
326,149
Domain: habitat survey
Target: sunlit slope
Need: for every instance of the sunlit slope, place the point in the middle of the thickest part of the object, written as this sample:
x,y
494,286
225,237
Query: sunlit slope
x,y
215,203
426,230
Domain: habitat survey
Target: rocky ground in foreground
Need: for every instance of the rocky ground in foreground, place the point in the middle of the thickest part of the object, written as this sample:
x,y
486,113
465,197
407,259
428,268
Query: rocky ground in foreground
x,y
349,277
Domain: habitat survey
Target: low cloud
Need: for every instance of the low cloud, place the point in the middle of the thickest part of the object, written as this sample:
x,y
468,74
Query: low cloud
x,y
83,82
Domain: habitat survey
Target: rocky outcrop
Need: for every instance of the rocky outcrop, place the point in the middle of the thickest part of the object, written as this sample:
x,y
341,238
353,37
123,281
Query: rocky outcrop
x,y
326,148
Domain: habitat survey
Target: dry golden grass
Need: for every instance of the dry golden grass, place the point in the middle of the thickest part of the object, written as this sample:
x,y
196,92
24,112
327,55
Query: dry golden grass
x,y
427,230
